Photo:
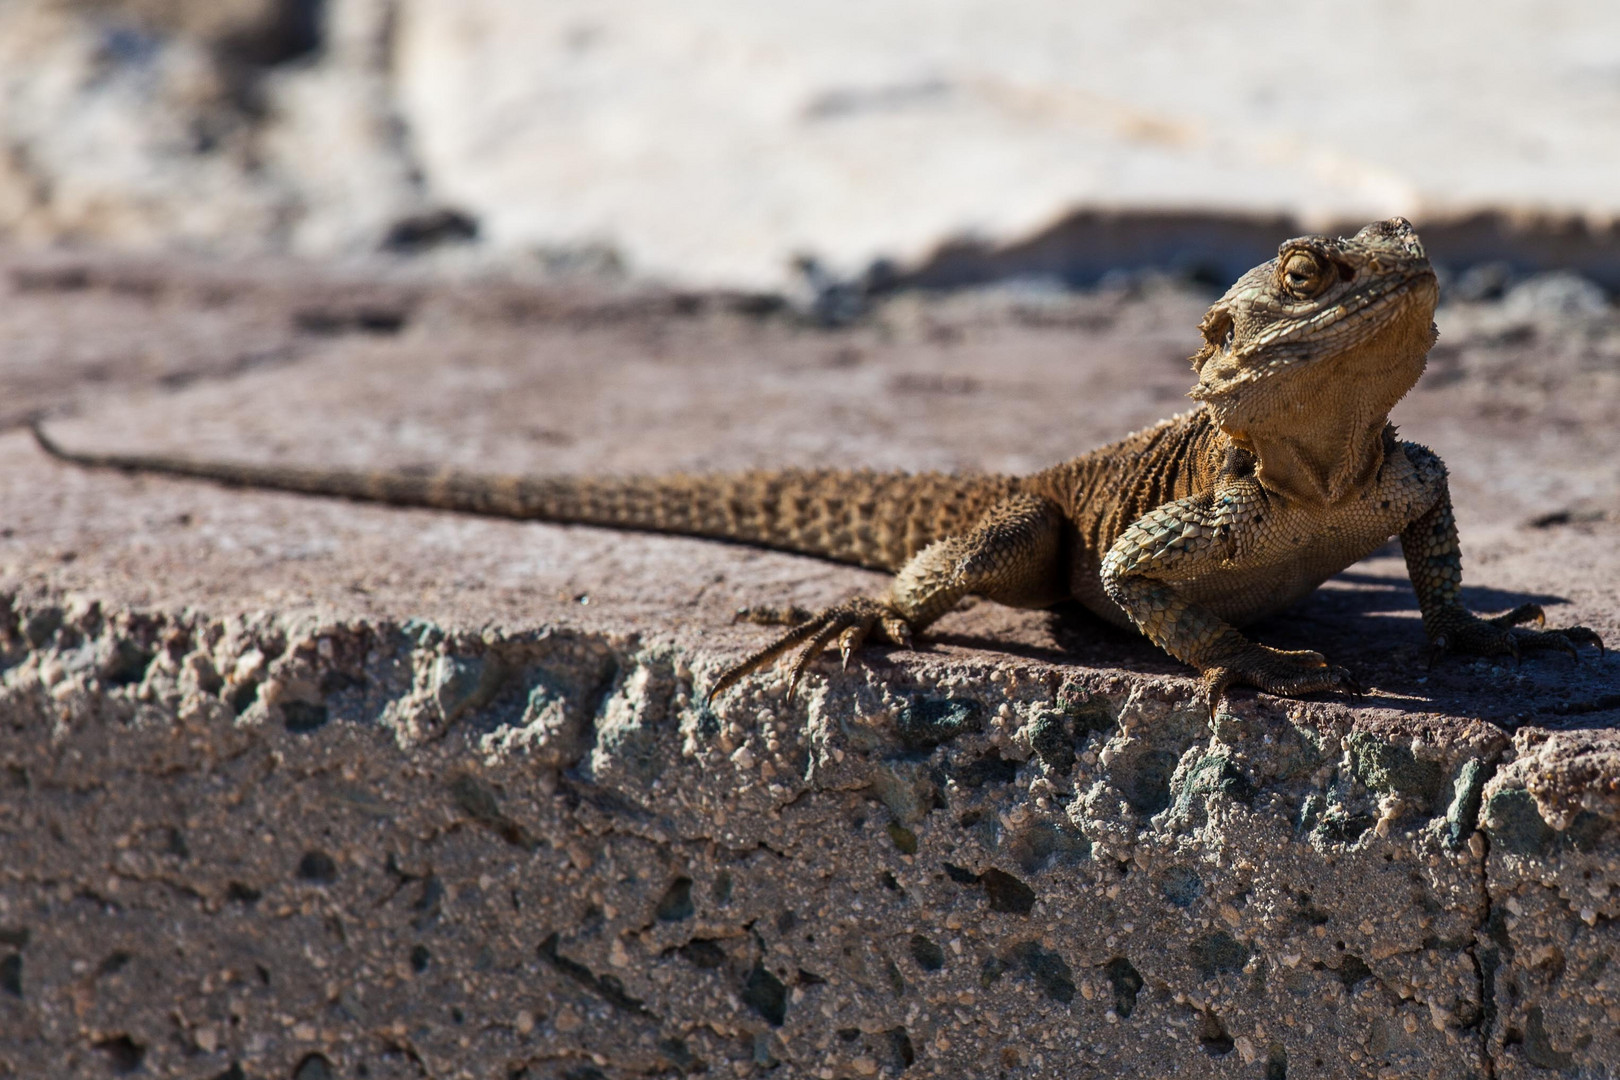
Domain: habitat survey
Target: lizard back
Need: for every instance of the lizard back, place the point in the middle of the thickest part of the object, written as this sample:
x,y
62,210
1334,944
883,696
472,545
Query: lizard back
x,y
1105,491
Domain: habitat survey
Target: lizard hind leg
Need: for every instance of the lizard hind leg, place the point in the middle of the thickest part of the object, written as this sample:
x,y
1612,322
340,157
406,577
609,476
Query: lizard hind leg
x,y
850,622
1010,555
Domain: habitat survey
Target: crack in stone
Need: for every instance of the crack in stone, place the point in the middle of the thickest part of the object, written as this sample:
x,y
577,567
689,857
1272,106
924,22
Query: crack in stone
x,y
1487,979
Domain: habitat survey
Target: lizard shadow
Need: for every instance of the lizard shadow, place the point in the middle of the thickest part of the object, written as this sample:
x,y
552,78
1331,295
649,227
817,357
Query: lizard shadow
x,y
1380,593
1079,639
1369,623
1107,647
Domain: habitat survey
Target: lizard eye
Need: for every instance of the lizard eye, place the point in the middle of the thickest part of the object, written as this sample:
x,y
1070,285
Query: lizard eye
x,y
1304,275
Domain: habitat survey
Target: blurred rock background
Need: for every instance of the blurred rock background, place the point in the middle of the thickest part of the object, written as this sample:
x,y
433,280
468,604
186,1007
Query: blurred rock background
x,y
719,142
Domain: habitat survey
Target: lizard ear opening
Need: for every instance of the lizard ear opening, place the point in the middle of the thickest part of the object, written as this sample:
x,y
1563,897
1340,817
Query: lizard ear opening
x,y
1218,330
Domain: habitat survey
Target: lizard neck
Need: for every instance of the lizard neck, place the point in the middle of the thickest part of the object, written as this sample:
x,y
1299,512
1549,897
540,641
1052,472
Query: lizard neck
x,y
1318,440
1323,467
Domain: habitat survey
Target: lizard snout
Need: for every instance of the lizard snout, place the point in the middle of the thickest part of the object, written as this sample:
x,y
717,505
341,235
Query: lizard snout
x,y
1395,232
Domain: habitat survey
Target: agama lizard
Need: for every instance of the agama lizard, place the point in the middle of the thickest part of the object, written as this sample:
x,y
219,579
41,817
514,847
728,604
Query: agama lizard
x,y
1285,473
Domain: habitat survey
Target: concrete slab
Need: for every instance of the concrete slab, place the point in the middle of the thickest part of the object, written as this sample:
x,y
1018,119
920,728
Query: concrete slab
x,y
997,381
300,785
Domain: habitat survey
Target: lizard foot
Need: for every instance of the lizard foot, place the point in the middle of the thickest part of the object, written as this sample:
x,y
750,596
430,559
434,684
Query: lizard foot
x,y
1276,671
850,623
1457,630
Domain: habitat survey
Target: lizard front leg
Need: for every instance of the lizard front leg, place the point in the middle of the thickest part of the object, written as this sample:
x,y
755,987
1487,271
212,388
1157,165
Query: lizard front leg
x,y
1184,539
1434,561
1011,556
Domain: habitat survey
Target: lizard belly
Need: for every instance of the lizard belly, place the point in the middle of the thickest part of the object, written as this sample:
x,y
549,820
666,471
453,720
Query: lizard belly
x,y
1300,547
1282,560
1241,594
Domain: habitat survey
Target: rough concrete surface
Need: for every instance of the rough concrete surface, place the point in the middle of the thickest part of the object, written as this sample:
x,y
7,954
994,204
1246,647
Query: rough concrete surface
x,y
298,788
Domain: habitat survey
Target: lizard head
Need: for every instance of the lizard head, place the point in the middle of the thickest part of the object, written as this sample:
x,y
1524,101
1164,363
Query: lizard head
x,y
1341,325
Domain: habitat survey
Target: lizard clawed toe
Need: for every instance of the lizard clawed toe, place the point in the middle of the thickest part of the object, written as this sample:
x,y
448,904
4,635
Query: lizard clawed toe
x,y
850,641
850,623
1522,614
1276,671
1462,632
808,654
1581,635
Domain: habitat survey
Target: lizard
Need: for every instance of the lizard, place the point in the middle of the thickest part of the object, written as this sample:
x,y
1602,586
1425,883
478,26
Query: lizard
x,y
1286,471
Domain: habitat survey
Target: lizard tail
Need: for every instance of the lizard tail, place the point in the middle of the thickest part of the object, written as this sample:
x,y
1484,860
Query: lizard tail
x,y
872,519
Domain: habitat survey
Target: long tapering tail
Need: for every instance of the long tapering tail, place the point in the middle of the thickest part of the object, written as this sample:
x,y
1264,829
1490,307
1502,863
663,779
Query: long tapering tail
x,y
871,519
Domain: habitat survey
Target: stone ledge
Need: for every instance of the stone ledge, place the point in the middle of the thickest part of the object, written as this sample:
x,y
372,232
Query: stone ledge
x,y
251,841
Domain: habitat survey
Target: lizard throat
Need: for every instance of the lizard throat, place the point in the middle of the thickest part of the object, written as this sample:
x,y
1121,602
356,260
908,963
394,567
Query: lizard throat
x,y
1316,426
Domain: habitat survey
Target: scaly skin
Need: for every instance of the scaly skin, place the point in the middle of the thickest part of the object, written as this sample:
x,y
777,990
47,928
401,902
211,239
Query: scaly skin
x,y
1285,473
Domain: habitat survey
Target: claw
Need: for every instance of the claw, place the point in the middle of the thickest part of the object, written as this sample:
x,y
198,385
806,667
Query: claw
x,y
899,631
1438,648
1216,683
807,655
723,683
1348,683
850,623
853,637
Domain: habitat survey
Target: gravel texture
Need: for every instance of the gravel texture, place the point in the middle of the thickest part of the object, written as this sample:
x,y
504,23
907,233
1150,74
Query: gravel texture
x,y
298,788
